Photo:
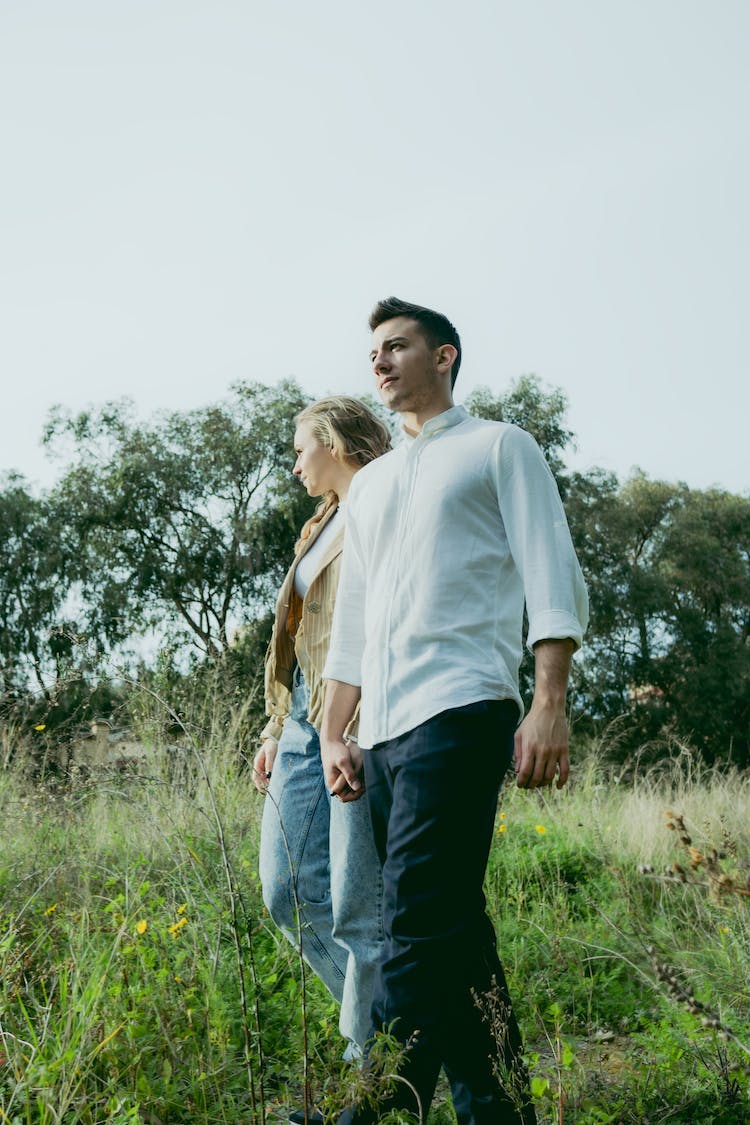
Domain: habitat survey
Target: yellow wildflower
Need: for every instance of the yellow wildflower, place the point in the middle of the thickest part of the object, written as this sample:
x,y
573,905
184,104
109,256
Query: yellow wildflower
x,y
40,726
541,829
175,928
502,816
501,828
181,909
52,909
141,926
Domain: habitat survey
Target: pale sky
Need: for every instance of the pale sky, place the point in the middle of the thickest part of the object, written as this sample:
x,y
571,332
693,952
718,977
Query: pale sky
x,y
194,193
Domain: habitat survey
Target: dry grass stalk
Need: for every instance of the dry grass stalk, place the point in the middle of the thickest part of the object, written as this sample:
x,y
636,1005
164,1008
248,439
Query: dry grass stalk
x,y
705,869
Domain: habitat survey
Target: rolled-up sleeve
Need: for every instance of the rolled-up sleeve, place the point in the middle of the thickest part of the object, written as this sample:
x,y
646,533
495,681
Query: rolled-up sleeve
x,y
539,541
344,660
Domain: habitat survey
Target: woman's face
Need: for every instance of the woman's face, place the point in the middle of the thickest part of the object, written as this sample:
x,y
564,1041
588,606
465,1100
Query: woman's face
x,y
316,465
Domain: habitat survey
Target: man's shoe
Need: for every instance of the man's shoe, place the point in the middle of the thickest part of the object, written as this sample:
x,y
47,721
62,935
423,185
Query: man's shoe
x,y
297,1117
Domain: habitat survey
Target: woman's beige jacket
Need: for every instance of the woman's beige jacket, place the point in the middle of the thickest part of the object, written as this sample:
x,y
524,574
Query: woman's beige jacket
x,y
301,635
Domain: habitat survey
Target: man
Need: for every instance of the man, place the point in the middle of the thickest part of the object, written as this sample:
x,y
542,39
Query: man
x,y
446,537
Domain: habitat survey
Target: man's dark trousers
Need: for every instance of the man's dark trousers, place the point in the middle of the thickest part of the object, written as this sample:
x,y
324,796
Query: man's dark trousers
x,y
433,797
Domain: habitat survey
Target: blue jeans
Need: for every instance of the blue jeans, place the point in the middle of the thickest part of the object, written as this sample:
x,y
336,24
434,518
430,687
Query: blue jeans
x,y
324,851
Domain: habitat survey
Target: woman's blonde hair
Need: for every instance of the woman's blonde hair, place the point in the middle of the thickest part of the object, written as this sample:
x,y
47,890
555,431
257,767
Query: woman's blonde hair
x,y
352,431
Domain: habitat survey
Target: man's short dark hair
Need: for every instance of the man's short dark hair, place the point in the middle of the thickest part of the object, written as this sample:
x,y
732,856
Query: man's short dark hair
x,y
435,327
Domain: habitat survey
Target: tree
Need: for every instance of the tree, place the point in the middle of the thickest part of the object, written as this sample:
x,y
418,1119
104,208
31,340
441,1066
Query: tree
x,y
668,573
33,587
185,525
704,563
617,531
189,518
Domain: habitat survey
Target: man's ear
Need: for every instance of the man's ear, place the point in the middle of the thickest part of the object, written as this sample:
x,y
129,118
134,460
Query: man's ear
x,y
445,357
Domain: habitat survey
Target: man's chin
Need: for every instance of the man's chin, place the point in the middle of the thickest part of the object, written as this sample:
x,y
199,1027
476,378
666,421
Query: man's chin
x,y
394,401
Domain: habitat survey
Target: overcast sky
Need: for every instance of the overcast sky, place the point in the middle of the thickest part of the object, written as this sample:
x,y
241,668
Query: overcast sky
x,y
197,193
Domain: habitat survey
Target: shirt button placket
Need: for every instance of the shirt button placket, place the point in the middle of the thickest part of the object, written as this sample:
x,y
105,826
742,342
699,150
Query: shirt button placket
x,y
406,494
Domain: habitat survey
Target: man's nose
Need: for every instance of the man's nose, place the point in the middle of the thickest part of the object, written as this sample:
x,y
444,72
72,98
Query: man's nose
x,y
381,362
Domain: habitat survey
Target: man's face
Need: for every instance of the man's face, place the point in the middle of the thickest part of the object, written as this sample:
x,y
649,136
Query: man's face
x,y
404,366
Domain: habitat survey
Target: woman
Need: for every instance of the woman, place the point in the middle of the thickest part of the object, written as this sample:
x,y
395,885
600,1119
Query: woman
x,y
318,863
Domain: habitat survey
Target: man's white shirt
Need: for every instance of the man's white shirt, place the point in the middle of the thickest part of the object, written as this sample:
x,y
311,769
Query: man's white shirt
x,y
446,536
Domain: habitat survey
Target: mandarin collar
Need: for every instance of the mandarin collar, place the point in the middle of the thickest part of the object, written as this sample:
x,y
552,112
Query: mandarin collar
x,y
444,421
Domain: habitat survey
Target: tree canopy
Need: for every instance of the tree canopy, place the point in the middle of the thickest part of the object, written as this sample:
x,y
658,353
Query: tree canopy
x,y
183,525
186,519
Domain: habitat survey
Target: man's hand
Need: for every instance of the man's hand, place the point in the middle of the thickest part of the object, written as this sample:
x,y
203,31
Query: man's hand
x,y
263,764
541,748
541,744
342,760
342,769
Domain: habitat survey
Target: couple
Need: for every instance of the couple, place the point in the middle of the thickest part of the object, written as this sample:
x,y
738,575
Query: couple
x,y
447,537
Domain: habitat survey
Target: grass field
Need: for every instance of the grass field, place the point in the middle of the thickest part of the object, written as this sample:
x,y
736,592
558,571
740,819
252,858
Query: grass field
x,y
141,981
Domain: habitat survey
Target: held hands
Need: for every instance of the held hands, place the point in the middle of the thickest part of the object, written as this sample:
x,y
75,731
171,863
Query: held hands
x,y
263,764
541,748
342,769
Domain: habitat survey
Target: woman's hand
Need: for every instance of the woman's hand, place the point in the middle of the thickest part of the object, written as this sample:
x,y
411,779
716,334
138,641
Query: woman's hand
x,y
263,764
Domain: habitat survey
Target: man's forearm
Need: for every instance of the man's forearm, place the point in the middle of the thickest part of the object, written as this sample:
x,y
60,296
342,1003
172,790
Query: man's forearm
x,y
338,710
551,671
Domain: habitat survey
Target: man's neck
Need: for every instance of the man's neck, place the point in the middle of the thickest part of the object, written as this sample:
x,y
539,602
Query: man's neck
x,y
414,420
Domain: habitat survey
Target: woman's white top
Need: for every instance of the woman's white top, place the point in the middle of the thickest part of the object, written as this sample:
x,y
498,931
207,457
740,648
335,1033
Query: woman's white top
x,y
307,567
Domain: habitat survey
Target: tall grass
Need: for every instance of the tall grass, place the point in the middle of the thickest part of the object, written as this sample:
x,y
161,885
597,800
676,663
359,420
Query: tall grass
x,y
131,925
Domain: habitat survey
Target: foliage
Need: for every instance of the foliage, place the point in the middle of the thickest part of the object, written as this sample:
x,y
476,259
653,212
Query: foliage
x,y
178,530
119,985
34,636
668,571
184,520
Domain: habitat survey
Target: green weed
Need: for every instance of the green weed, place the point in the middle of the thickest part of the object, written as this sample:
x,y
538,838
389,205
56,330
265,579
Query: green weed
x,y
141,981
